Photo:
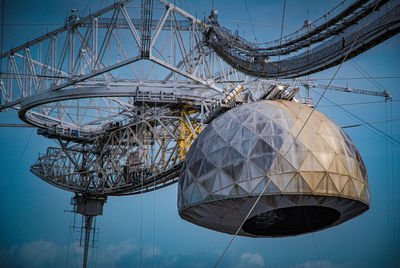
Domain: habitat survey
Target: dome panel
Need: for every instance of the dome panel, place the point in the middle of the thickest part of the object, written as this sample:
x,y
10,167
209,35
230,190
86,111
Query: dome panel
x,y
307,182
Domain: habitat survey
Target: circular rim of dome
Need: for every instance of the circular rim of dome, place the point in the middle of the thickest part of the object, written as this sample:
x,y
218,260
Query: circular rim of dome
x,y
290,199
256,144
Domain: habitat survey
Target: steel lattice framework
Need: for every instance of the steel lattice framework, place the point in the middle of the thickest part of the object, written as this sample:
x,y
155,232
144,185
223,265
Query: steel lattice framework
x,y
96,76
141,156
360,26
125,91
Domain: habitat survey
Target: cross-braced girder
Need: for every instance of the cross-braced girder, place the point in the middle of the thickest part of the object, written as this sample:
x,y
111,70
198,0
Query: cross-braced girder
x,y
131,81
91,72
141,156
360,26
147,152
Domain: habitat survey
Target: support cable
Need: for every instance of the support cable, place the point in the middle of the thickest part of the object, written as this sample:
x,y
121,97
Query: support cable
x,y
393,192
376,122
16,167
253,60
301,129
394,140
141,223
387,192
251,21
283,20
141,208
312,234
154,185
353,78
67,258
366,75
71,238
2,36
355,103
96,250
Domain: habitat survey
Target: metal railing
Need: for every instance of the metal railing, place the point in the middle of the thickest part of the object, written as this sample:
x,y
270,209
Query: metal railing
x,y
374,25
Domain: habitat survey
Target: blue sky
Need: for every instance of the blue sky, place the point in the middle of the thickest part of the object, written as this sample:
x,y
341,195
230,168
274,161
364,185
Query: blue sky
x,y
35,227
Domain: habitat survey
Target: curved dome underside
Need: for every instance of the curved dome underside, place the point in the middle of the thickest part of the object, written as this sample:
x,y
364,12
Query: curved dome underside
x,y
288,215
253,149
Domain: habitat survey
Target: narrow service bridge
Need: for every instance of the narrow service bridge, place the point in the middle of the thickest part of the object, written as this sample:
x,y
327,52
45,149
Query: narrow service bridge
x,y
360,26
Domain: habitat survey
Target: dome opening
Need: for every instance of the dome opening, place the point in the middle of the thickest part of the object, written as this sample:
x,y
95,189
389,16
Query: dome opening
x,y
291,221
319,173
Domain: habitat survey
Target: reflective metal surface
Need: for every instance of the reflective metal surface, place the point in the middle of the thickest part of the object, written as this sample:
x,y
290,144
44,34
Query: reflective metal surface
x,y
253,149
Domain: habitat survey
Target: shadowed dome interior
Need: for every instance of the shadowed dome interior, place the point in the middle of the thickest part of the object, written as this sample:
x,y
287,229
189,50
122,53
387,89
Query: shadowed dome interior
x,y
258,149
291,221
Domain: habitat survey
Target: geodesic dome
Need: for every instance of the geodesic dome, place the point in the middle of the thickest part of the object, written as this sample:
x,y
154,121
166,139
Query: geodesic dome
x,y
309,181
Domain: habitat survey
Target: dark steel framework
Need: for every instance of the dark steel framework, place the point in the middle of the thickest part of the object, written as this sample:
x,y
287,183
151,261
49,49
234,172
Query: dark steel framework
x,y
359,27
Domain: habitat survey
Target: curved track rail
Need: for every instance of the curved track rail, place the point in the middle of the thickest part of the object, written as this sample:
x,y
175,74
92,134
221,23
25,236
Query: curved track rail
x,y
370,25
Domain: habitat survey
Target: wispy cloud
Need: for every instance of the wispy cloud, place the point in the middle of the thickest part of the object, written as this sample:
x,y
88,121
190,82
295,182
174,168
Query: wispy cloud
x,y
252,258
325,264
126,253
47,254
314,264
38,253
34,254
117,251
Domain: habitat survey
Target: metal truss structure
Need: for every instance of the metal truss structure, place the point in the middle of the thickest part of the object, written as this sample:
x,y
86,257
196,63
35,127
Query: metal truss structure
x,y
143,155
127,82
319,45
96,77
126,90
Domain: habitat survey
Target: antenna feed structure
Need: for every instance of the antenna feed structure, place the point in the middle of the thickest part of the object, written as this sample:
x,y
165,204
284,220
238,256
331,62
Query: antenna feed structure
x,y
87,205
